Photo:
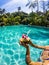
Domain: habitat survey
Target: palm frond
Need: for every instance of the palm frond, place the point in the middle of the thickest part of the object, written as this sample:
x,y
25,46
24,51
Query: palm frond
x,y
27,3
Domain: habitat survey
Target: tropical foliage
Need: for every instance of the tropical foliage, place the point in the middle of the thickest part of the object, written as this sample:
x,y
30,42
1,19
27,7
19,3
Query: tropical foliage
x,y
34,18
17,18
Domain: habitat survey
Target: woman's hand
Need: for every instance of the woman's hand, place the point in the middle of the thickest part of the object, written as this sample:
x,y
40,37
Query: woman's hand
x,y
24,42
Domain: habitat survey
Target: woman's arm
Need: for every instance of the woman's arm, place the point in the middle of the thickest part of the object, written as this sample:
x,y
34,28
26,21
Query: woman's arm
x,y
36,46
28,59
28,41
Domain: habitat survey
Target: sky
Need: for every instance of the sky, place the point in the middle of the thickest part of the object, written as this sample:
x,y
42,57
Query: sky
x,y
12,5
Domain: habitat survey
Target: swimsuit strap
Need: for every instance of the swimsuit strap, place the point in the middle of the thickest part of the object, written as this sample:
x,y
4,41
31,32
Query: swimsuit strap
x,y
47,59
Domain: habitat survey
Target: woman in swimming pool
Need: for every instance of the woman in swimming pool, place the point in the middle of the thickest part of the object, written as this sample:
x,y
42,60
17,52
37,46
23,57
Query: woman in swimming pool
x,y
25,41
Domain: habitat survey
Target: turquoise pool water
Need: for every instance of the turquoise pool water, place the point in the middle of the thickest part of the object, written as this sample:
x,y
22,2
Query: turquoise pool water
x,y
11,53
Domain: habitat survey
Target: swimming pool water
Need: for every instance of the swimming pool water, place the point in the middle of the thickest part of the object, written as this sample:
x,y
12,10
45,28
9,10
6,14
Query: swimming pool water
x,y
11,53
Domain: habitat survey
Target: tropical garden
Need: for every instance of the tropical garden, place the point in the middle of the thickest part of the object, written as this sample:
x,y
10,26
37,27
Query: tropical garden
x,y
39,18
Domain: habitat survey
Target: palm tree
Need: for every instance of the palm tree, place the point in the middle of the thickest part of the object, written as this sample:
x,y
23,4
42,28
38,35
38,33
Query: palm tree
x,y
48,5
37,6
2,11
19,8
43,6
31,4
44,10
